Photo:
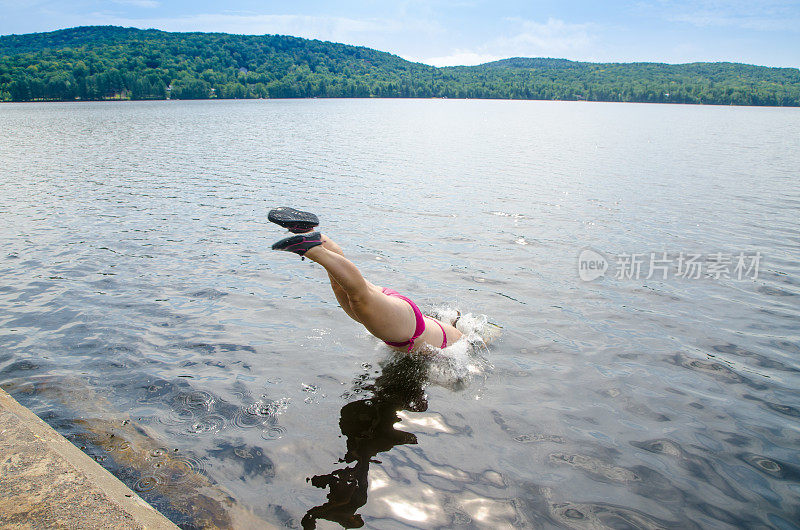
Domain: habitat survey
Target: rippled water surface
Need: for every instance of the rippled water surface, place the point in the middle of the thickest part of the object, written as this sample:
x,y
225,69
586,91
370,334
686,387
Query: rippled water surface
x,y
143,315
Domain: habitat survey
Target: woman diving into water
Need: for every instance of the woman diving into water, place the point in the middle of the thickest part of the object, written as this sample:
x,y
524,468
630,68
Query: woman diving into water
x,y
386,314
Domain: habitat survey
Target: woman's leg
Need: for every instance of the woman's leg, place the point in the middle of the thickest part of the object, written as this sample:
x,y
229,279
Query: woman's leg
x,y
338,291
389,319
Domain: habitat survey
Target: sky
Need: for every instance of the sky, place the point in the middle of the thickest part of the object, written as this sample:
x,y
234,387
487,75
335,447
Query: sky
x,y
452,32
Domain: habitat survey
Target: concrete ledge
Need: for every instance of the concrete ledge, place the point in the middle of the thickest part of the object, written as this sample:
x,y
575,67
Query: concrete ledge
x,y
46,482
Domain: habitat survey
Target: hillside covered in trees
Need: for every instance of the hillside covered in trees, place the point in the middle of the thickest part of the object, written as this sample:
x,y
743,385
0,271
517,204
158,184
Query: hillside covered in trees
x,y
106,62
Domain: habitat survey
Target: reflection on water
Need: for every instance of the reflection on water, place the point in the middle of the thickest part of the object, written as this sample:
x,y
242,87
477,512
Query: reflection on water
x,y
137,285
369,426
174,482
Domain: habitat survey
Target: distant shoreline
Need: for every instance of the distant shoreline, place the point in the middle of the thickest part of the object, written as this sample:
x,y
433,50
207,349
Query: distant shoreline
x,y
100,63
404,99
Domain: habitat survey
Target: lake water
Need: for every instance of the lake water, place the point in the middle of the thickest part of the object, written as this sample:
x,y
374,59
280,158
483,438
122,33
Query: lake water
x,y
143,315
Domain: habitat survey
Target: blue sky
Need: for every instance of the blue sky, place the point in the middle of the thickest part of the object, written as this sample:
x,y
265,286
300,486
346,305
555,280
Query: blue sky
x,y
448,32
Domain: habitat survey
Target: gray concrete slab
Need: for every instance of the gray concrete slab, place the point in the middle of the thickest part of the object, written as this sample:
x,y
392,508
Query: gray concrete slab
x,y
46,482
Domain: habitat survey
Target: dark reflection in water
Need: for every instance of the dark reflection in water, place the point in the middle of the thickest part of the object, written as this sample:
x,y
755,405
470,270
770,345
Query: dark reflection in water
x,y
368,425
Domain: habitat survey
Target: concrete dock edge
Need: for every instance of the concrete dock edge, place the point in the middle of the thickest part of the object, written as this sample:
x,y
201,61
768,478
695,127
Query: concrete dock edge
x,y
46,482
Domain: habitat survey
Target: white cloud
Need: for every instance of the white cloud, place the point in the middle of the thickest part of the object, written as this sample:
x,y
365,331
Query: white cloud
x,y
758,23
458,58
553,38
16,5
526,38
761,15
139,3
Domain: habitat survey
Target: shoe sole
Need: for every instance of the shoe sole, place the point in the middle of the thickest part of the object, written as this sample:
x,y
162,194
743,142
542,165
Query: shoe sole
x,y
293,219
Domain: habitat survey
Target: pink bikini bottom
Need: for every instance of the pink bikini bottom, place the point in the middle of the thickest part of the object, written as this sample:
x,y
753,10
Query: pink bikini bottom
x,y
419,318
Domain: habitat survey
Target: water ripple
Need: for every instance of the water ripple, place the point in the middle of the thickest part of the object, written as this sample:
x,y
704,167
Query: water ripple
x,y
141,268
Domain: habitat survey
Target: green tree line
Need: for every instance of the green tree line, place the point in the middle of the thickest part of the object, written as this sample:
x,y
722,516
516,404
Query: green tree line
x,y
105,62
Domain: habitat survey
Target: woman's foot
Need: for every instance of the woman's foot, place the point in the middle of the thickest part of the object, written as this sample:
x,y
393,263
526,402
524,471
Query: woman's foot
x,y
296,221
299,244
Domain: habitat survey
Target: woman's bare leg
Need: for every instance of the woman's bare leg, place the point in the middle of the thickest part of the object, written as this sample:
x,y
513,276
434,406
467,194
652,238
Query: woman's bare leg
x,y
387,318
338,291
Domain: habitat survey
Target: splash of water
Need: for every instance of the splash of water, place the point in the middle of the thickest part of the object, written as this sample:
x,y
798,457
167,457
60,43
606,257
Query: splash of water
x,y
457,365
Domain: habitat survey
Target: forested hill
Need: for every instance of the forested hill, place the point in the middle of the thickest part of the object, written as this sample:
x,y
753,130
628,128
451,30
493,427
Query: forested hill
x,y
105,62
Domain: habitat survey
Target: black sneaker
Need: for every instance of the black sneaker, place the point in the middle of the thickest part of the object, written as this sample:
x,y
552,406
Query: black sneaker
x,y
296,221
299,244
